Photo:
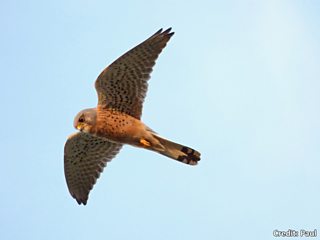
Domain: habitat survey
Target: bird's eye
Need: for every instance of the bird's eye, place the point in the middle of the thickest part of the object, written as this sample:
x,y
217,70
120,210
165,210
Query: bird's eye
x,y
81,119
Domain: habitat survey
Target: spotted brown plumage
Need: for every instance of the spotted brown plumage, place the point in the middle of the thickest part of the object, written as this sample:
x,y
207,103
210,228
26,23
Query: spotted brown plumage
x,y
121,89
85,157
123,84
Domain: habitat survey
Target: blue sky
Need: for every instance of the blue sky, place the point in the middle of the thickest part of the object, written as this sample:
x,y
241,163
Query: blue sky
x,y
239,81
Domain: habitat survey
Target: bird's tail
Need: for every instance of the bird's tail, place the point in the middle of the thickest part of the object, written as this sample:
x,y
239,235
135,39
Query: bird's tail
x,y
178,152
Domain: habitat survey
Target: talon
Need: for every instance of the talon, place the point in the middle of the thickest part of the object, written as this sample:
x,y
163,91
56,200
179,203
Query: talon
x,y
145,143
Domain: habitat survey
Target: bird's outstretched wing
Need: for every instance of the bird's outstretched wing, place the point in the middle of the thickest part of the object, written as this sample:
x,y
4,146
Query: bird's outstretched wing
x,y
85,156
123,84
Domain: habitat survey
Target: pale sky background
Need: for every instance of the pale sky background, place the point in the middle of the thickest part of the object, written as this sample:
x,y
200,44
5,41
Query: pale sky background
x,y
239,81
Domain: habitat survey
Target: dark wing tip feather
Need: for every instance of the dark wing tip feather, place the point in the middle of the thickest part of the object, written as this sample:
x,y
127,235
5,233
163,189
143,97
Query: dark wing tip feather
x,y
160,39
168,31
162,34
82,201
82,198
158,32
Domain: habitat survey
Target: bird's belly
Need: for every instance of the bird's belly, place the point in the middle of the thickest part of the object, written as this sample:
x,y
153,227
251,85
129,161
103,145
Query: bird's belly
x,y
120,128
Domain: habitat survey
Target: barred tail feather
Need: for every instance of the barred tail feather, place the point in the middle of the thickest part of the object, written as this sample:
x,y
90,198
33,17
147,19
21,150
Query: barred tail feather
x,y
178,152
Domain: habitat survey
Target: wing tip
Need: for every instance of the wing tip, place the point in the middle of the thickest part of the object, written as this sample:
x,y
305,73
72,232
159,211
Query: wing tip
x,y
81,200
84,202
168,31
164,33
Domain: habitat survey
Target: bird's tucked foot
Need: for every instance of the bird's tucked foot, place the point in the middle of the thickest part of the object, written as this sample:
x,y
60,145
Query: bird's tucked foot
x,y
145,143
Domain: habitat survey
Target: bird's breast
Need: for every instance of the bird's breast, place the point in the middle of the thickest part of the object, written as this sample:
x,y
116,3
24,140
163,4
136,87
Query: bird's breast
x,y
115,126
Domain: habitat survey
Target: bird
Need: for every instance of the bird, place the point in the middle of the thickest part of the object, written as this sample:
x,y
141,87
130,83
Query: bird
x,y
116,120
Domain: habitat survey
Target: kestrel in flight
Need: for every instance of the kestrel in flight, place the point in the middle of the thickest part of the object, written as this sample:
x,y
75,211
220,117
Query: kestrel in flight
x,y
121,89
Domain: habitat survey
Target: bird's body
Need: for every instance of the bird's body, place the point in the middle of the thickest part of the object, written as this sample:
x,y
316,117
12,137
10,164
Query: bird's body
x,y
121,128
121,89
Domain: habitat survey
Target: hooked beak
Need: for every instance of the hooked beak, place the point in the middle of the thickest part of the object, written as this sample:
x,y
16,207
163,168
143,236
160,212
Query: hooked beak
x,y
79,126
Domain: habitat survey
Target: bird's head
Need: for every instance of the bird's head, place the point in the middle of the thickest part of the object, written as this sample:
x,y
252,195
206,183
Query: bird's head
x,y
85,120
